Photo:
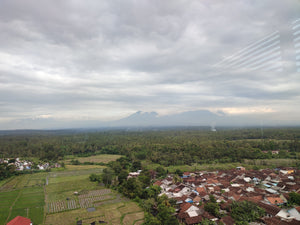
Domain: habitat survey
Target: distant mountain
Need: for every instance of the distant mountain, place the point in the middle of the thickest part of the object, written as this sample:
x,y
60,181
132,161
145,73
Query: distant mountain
x,y
190,118
152,119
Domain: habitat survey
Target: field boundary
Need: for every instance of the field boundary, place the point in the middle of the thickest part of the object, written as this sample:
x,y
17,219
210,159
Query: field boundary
x,y
12,205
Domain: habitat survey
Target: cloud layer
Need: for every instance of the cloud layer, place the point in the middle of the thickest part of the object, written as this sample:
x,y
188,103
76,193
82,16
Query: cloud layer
x,y
103,60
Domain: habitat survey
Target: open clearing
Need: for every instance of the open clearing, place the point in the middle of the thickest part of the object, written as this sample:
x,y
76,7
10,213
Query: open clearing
x,y
110,213
48,197
63,207
103,158
23,195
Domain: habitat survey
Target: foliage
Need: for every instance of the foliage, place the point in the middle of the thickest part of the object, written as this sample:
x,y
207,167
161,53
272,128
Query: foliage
x,y
212,208
245,211
107,176
95,178
166,147
179,172
207,222
294,198
159,212
160,171
6,171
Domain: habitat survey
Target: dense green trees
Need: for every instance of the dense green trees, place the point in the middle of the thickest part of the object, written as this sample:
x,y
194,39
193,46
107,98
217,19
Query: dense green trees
x,y
6,171
212,206
159,212
95,178
245,211
166,147
294,198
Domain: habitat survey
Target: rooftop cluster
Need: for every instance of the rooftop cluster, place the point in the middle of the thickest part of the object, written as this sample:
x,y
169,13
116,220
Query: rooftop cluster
x,y
210,195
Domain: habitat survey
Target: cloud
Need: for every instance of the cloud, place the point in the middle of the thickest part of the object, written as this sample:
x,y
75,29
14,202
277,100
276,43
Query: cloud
x,y
104,60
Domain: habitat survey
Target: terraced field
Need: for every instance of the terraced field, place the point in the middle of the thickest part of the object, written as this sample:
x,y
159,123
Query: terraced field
x,y
24,196
62,197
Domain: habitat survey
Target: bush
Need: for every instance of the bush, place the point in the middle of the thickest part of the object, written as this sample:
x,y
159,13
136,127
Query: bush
x,y
95,178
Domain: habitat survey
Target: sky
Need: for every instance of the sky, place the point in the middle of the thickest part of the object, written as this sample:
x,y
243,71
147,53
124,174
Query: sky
x,y
105,60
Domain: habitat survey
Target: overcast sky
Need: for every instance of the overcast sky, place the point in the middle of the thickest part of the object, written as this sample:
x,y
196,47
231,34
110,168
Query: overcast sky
x,y
104,60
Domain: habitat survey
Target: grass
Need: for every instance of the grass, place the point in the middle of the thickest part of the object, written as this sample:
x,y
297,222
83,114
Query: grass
x,y
103,158
247,163
83,167
27,195
3,215
55,180
193,167
2,182
272,162
11,184
132,217
129,207
113,213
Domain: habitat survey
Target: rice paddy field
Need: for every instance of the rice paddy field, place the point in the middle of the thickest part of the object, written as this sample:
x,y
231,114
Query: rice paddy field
x,y
62,197
23,196
103,158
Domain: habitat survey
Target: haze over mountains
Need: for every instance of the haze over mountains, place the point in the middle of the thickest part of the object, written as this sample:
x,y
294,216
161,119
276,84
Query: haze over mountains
x,y
153,119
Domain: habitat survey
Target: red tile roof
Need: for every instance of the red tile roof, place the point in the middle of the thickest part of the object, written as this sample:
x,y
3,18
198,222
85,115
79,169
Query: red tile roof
x,y
208,216
227,220
183,215
270,209
193,220
19,220
275,200
158,183
185,207
200,189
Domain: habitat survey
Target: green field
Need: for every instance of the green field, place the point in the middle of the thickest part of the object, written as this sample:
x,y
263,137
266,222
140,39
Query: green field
x,y
48,198
110,213
24,196
103,158
248,164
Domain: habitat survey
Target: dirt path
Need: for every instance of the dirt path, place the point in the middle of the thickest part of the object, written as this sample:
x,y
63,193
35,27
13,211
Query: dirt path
x,y
46,200
13,204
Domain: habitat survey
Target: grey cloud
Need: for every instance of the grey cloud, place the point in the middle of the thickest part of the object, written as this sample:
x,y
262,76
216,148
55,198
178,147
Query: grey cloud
x,y
68,57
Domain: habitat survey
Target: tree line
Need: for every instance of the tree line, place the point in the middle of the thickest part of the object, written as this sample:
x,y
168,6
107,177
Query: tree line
x,y
166,147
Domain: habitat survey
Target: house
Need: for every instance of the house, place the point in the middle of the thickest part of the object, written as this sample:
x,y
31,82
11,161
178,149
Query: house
x,y
275,152
227,220
19,220
289,214
275,200
240,168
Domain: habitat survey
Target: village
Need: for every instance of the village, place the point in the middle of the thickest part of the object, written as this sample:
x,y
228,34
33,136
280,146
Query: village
x,y
23,165
267,188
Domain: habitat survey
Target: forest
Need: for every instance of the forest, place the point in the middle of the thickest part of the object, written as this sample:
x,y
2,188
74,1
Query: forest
x,y
172,146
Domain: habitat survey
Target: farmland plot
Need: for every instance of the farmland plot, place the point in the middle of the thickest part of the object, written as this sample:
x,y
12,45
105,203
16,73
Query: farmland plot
x,y
85,200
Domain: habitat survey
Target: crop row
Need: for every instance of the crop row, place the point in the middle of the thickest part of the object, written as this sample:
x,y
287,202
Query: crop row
x,y
59,206
85,202
96,193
